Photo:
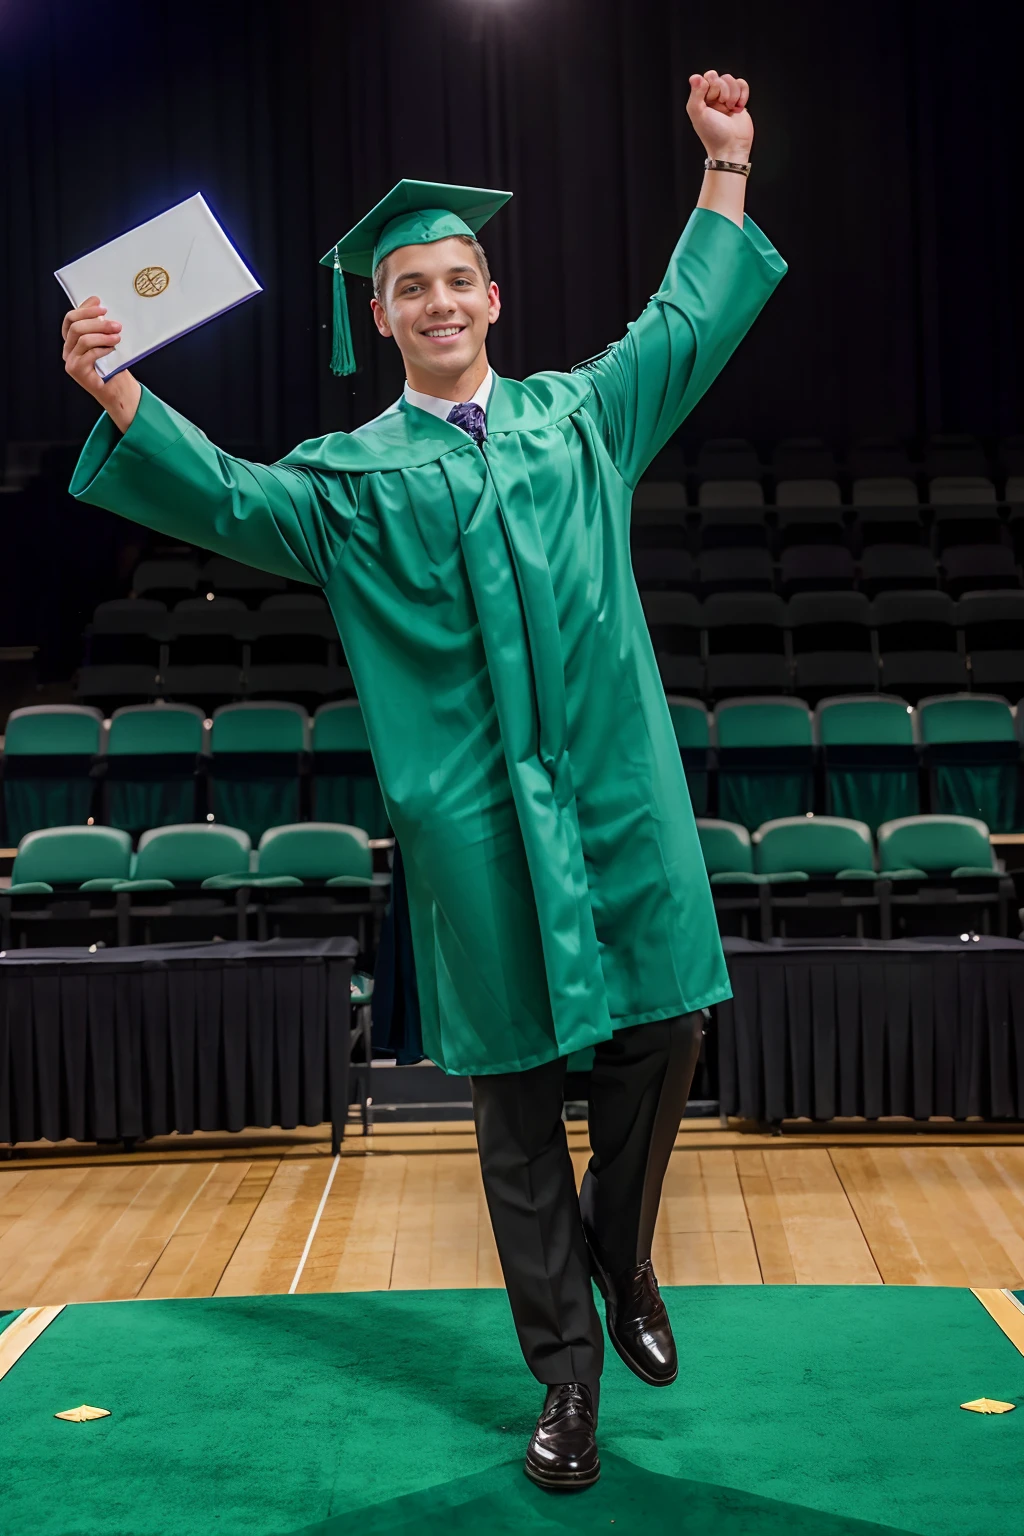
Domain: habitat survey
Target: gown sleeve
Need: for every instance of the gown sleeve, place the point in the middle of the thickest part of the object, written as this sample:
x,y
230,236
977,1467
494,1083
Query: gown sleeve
x,y
718,280
166,474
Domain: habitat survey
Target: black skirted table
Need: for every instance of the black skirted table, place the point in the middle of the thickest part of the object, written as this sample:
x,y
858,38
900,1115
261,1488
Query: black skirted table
x,y
917,1028
128,1043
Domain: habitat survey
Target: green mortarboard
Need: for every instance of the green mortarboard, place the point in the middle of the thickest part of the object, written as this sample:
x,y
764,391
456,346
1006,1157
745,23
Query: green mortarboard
x,y
413,213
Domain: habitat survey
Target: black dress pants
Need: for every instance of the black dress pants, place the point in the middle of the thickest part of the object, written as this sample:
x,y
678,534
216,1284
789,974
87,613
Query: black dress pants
x,y
639,1085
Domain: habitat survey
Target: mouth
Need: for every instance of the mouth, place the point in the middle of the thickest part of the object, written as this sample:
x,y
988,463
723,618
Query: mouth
x,y
443,332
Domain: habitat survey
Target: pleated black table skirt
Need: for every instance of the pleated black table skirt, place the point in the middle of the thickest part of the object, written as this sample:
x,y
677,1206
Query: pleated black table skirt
x,y
143,1041
918,1029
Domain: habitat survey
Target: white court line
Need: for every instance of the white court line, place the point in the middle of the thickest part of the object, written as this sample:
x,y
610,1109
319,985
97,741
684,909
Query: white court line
x,y
316,1222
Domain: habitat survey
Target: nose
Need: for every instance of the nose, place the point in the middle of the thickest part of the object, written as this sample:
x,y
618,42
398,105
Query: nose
x,y
440,301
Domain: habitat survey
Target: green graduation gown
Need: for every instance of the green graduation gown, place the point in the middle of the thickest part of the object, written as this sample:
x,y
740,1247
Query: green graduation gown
x,y
486,603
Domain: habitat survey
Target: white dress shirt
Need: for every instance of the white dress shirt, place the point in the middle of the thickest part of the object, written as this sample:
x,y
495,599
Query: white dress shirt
x,y
441,408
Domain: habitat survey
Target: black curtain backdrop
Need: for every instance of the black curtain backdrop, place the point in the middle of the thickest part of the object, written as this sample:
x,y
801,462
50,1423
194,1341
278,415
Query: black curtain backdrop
x,y
886,171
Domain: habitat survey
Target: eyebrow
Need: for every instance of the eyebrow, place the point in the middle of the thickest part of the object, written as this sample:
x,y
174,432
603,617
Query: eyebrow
x,y
405,277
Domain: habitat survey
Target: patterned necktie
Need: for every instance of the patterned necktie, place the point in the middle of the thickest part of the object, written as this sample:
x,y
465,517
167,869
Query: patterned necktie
x,y
470,417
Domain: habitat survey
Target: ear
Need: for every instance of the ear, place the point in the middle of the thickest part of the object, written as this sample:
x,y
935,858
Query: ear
x,y
380,316
493,303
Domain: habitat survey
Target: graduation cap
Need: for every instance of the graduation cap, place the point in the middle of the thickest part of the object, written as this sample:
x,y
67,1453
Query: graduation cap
x,y
413,213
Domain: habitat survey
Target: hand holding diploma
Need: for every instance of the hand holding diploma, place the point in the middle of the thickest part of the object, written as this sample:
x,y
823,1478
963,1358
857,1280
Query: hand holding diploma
x,y
89,335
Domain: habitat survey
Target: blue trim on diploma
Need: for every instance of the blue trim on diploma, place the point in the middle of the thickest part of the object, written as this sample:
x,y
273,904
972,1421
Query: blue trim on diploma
x,y
176,337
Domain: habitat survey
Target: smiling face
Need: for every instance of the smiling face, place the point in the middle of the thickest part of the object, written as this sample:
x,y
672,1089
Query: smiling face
x,y
437,304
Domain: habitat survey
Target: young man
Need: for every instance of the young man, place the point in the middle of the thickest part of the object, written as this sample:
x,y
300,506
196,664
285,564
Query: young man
x,y
473,542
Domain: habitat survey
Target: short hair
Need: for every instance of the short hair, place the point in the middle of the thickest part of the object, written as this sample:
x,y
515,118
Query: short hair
x,y
475,247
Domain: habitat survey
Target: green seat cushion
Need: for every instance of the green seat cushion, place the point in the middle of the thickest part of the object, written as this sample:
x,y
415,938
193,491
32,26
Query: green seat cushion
x,y
144,885
102,883
856,874
785,877
257,882
736,877
30,888
975,872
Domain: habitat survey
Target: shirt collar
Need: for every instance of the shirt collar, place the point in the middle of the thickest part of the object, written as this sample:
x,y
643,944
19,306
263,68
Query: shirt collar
x,y
441,408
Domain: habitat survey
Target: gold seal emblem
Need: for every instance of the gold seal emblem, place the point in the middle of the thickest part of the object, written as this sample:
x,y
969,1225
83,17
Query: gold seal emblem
x,y
151,282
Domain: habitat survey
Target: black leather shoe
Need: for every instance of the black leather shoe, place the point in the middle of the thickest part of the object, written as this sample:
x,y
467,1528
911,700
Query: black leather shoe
x,y
638,1324
562,1454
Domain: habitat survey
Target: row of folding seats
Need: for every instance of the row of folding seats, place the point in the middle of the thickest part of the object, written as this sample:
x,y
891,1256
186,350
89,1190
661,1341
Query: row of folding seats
x,y
872,758
907,643
171,578
251,765
863,491
944,454
190,881
827,877
828,568
857,529
212,650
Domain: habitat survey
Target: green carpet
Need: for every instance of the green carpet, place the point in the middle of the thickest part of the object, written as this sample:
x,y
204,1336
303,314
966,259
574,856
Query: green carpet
x,y
808,1411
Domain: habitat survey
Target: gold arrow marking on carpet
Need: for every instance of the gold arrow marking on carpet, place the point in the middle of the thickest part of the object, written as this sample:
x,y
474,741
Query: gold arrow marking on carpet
x,y
23,1332
85,1413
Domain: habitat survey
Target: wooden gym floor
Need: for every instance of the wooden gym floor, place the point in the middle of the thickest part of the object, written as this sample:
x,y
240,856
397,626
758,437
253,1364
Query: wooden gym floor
x,y
253,1214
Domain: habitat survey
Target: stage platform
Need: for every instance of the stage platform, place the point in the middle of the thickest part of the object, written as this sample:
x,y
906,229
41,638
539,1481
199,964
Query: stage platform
x,y
809,1411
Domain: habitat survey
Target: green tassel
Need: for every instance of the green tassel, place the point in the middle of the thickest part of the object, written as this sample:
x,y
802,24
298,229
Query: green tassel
x,y
343,359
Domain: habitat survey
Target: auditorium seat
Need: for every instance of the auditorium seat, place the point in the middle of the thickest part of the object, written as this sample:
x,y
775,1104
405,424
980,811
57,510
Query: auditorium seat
x,y
61,884
961,490
803,458
820,875
979,568
810,524
732,528
954,453
227,578
728,458
332,882
127,631
344,781
897,568
166,581
735,570
888,525
692,727
972,753
660,528
832,644
808,493
664,569
884,491
874,457
917,643
259,757
944,877
992,625
960,523
1015,527
730,493
1010,458
735,889
189,854
173,892
869,758
816,568
765,750
69,857
746,644
51,758
206,651
659,496
156,757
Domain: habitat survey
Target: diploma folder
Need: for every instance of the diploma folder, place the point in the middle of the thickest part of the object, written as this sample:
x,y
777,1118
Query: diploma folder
x,y
161,280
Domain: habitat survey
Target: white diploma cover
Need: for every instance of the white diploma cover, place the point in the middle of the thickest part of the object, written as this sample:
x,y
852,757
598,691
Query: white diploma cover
x,y
161,280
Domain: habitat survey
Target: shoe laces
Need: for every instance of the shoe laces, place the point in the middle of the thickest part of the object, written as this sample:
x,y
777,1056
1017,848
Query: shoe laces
x,y
571,1400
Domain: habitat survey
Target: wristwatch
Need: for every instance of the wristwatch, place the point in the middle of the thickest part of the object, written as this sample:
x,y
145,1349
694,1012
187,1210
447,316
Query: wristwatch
x,y
741,168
